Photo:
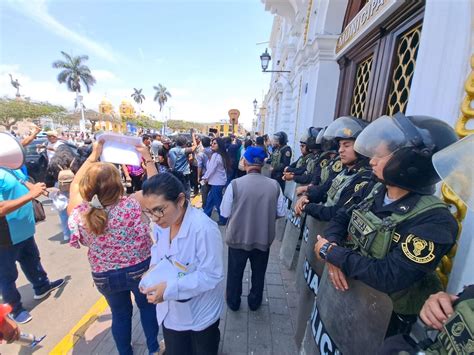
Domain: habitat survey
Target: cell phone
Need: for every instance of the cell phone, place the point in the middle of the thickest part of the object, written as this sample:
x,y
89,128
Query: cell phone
x,y
191,131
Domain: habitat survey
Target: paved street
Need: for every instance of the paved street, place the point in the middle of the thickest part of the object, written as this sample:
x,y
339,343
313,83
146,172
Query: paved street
x,y
57,314
266,331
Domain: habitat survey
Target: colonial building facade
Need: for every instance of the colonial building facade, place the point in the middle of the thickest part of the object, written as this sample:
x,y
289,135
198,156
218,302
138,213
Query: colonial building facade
x,y
369,58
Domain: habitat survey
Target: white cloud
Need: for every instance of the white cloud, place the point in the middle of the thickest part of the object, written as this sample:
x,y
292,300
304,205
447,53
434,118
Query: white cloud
x,y
38,11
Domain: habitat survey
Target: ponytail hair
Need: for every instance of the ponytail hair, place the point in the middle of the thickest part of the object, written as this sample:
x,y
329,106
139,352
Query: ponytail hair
x,y
101,186
96,220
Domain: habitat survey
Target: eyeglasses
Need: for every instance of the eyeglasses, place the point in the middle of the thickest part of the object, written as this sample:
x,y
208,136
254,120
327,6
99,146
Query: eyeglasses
x,y
156,212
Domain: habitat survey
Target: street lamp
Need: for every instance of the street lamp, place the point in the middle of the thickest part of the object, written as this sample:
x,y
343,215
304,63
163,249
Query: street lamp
x,y
265,59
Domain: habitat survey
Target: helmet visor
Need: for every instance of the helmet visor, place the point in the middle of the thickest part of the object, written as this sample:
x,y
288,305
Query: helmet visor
x,y
455,165
380,138
319,137
343,128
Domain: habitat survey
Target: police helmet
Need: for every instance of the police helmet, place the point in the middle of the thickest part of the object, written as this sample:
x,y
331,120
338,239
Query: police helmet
x,y
410,141
345,127
282,138
327,145
309,138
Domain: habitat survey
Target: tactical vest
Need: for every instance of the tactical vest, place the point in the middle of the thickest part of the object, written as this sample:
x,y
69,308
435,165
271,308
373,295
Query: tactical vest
x,y
457,336
311,163
372,236
276,157
302,161
340,182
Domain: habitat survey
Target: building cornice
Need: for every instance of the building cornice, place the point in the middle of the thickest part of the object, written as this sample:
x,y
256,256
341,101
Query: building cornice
x,y
321,48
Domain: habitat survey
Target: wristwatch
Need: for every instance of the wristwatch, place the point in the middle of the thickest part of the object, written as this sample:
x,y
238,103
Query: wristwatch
x,y
323,251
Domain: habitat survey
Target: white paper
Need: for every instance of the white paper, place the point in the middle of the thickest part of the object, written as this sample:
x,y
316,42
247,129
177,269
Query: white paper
x,y
120,149
163,271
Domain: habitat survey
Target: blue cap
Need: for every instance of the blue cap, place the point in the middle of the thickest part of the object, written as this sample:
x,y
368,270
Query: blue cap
x,y
255,155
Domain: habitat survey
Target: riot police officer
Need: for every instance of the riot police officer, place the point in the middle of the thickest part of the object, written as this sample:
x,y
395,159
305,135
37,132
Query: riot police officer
x,y
354,175
303,174
446,322
394,238
280,158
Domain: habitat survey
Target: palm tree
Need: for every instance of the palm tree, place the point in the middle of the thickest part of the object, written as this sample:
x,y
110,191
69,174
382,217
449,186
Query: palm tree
x,y
161,95
138,97
75,73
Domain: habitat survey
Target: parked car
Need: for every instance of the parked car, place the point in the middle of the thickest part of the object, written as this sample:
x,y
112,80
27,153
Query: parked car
x,y
36,159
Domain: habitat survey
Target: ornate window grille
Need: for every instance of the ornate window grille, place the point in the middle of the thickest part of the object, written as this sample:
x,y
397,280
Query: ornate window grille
x,y
406,53
361,87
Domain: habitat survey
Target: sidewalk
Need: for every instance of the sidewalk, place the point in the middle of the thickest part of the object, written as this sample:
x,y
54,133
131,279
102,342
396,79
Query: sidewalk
x,y
266,331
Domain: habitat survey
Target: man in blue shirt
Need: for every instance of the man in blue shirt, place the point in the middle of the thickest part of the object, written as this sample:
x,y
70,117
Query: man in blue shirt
x,y
17,229
178,159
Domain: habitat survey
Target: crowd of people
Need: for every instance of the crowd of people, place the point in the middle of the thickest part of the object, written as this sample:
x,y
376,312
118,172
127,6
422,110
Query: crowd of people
x,y
365,193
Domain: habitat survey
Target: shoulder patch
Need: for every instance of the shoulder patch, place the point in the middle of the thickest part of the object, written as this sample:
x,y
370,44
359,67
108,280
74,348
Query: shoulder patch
x,y
337,166
360,185
288,153
323,163
418,250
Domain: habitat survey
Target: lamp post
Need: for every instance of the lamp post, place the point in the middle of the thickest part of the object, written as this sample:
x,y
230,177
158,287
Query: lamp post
x,y
265,60
254,124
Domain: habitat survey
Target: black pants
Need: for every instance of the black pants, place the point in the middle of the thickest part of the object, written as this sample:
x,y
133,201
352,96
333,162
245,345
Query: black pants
x,y
204,342
193,179
237,259
204,193
137,182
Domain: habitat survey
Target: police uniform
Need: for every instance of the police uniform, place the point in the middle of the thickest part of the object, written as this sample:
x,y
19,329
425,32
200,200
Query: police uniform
x,y
457,336
330,168
306,176
342,189
394,248
281,158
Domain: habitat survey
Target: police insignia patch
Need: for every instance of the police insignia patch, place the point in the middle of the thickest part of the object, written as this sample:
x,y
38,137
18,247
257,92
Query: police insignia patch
x,y
358,186
288,153
337,167
323,163
418,250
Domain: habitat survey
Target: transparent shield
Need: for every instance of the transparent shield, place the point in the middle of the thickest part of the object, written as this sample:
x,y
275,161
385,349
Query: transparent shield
x,y
380,138
455,165
344,127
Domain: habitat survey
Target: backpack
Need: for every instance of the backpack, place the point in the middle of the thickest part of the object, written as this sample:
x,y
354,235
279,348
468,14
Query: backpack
x,y
65,178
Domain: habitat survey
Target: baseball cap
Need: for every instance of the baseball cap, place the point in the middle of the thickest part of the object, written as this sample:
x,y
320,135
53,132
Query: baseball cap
x,y
255,155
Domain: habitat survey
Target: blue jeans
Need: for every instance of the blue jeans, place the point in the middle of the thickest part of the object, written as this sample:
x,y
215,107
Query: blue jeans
x,y
214,199
27,255
116,286
64,218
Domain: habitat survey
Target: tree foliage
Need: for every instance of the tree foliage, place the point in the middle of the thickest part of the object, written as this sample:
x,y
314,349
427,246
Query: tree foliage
x,y
13,110
137,96
161,96
74,72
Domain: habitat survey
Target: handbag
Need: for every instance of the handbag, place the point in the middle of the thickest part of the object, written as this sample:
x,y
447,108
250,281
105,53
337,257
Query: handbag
x,y
38,210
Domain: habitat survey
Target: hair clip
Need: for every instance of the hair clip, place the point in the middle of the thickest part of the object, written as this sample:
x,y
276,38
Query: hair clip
x,y
95,203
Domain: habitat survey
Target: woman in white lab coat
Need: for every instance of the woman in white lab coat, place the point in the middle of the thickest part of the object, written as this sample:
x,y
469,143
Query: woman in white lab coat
x,y
188,306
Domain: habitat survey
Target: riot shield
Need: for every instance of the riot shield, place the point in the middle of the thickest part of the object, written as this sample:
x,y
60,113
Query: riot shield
x,y
290,189
281,222
350,322
293,230
308,274
455,165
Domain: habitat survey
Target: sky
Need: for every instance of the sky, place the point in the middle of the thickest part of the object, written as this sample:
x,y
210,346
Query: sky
x,y
205,52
